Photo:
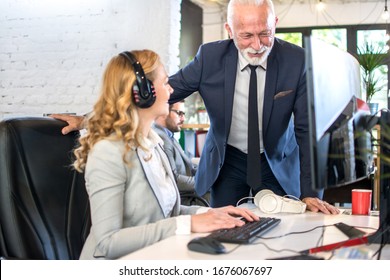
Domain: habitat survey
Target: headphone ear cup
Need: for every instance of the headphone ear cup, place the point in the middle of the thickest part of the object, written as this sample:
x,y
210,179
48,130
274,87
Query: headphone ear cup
x,y
143,92
144,96
267,201
135,93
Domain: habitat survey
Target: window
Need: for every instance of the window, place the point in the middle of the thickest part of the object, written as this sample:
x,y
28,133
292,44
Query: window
x,y
350,38
373,36
293,37
378,39
381,96
334,36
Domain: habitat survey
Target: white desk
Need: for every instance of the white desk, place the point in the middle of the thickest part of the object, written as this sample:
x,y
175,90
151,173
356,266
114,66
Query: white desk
x,y
175,247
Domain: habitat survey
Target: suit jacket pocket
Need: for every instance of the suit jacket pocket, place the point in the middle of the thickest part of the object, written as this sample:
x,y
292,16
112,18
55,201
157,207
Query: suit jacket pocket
x,y
282,94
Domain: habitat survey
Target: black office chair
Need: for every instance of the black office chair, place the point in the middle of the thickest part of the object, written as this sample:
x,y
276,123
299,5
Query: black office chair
x,y
191,198
44,208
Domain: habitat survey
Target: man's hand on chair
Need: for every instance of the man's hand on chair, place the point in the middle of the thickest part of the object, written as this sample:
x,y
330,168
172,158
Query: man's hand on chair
x,y
74,122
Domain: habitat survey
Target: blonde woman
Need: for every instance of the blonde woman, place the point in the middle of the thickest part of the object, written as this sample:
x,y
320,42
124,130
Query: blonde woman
x,y
133,195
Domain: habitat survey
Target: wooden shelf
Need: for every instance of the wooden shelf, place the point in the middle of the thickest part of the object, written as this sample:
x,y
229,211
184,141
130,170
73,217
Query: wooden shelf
x,y
195,126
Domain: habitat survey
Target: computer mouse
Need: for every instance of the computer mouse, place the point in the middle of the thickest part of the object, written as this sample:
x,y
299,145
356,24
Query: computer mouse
x,y
206,245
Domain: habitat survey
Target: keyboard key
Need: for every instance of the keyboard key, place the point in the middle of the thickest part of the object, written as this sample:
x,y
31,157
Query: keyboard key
x,y
246,233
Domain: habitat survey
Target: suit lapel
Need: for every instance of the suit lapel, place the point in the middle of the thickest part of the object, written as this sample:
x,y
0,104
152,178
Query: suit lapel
x,y
230,80
151,179
168,169
178,149
270,87
184,157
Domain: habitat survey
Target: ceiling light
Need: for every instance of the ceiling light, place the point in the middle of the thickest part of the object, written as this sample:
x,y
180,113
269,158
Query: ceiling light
x,y
385,14
321,6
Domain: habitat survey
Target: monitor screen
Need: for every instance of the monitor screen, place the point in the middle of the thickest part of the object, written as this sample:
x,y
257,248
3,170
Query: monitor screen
x,y
340,139
333,79
337,145
382,236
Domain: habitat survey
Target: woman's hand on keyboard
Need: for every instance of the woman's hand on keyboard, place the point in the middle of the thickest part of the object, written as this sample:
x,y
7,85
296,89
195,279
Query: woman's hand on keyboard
x,y
221,218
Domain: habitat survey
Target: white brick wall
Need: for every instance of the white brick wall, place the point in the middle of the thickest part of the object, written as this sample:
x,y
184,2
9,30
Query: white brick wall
x,y
53,53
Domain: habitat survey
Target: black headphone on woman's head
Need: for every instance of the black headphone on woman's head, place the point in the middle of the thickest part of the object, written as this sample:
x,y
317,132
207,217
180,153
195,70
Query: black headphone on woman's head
x,y
143,94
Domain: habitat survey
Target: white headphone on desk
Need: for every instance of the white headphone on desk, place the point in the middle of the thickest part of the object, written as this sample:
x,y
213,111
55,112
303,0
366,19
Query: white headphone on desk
x,y
268,202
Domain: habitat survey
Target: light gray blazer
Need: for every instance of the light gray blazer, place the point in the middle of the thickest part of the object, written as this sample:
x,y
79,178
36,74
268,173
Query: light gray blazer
x,y
182,167
126,201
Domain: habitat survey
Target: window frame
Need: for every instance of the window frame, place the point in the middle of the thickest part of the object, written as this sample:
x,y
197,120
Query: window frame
x,y
352,31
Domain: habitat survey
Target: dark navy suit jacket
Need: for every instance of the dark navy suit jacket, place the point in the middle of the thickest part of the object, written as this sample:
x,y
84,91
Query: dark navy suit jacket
x,y
285,114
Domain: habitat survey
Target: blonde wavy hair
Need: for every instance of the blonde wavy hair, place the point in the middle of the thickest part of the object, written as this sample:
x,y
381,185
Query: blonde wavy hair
x,y
115,114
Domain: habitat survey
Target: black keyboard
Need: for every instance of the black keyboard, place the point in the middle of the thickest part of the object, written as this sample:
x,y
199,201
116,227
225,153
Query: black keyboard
x,y
246,233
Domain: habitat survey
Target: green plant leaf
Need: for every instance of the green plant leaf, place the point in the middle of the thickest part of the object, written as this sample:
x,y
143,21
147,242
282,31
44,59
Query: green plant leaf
x,y
370,58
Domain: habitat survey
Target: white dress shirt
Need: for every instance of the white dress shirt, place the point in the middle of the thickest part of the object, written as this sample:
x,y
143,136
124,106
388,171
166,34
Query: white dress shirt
x,y
239,126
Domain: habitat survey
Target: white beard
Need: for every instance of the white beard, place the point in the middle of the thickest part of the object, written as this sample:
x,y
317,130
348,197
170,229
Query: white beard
x,y
256,60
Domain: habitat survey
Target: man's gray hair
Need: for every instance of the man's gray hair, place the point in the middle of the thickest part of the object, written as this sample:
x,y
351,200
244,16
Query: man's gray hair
x,y
230,9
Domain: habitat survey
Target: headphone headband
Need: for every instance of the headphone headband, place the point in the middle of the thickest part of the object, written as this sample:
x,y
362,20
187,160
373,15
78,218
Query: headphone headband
x,y
143,93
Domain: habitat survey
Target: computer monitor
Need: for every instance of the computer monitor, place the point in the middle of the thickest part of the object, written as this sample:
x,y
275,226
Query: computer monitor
x,y
382,235
340,139
340,147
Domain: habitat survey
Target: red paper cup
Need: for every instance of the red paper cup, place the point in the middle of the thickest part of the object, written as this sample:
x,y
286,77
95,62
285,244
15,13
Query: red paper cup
x,y
361,202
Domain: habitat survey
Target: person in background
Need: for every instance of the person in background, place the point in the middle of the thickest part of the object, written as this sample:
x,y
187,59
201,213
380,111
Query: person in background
x,y
182,166
133,196
221,73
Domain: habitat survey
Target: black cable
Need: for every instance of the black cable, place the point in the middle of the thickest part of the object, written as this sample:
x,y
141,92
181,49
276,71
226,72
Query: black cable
x,y
321,237
383,242
275,250
331,255
232,250
294,232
